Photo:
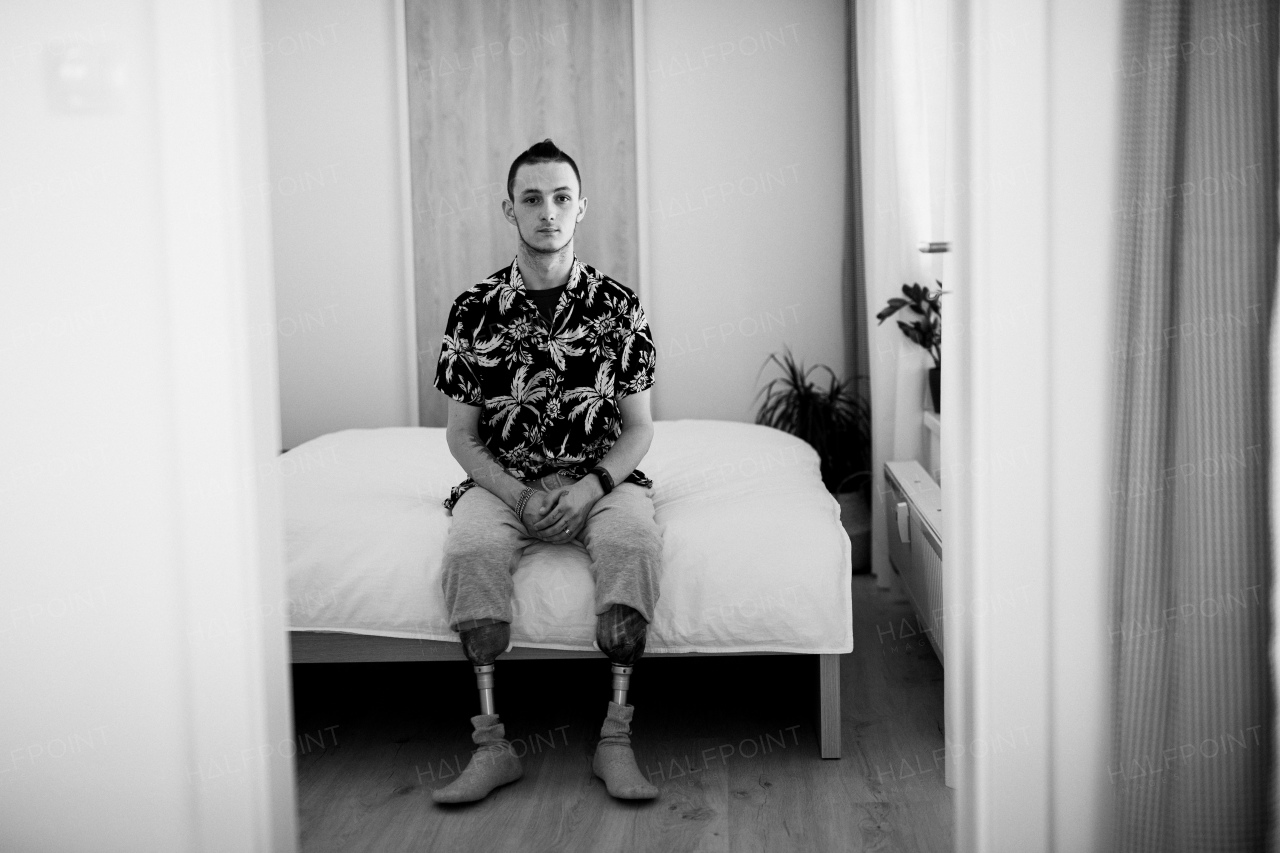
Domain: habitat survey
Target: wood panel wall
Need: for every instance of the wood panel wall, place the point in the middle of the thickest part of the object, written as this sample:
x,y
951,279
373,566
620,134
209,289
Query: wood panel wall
x,y
487,79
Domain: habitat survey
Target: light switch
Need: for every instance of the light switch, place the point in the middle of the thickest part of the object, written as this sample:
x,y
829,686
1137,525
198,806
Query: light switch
x,y
84,78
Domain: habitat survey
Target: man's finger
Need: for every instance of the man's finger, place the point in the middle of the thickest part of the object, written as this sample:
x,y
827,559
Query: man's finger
x,y
562,531
549,503
550,521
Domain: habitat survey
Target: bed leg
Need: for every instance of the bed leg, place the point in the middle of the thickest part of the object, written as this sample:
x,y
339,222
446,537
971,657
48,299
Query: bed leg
x,y
829,705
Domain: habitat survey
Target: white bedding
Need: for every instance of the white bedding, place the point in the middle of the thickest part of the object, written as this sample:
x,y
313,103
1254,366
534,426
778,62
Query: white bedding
x,y
754,556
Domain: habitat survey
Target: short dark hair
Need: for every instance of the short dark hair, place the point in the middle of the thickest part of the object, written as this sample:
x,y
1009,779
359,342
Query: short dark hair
x,y
540,152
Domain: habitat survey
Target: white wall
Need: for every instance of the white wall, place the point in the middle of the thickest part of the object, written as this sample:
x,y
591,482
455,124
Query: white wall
x,y
140,413
87,524
745,176
745,108
336,185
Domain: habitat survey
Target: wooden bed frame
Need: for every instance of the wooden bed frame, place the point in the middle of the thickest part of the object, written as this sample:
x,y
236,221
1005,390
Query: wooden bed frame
x,y
334,647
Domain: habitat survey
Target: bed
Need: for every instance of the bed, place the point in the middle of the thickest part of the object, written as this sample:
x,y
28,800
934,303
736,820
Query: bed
x,y
755,560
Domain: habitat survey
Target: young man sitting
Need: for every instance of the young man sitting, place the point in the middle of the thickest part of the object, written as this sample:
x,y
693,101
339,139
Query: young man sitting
x,y
548,365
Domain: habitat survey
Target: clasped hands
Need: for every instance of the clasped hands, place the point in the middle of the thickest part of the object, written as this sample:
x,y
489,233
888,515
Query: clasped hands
x,y
559,516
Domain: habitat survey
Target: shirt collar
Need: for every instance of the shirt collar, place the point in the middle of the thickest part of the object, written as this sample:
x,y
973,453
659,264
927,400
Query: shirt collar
x,y
575,273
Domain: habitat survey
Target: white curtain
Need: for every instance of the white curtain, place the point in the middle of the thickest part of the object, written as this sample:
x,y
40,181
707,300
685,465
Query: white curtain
x,y
902,55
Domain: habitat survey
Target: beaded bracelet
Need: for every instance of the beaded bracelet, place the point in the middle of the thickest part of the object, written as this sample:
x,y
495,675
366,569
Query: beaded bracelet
x,y
522,502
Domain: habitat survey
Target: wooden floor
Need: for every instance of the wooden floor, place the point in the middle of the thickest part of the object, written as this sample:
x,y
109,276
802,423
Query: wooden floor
x,y
731,744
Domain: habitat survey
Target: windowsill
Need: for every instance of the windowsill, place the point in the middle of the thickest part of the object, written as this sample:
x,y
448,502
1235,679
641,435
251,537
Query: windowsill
x,y
933,423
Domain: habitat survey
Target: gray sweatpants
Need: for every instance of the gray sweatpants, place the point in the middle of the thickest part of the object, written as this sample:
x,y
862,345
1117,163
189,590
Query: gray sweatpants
x,y
486,540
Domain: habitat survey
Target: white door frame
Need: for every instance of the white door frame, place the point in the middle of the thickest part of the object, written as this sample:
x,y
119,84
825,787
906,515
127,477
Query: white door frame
x,y
220,293
1028,391
1033,676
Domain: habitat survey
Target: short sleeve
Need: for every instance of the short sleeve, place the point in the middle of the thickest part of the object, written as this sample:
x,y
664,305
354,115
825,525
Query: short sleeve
x,y
455,370
637,355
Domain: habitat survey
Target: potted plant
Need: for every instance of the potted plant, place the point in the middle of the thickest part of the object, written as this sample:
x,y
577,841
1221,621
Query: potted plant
x,y
926,330
836,421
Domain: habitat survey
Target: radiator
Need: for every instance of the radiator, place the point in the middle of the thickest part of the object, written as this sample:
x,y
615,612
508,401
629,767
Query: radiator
x,y
913,511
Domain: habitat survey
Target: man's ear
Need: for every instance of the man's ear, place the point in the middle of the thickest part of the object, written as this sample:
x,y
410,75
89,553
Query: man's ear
x,y
509,210
582,209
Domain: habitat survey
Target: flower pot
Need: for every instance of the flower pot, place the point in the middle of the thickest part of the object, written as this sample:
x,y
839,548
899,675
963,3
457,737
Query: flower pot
x,y
855,516
935,388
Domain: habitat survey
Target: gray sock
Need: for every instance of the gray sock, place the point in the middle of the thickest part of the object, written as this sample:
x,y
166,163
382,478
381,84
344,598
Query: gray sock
x,y
491,765
615,763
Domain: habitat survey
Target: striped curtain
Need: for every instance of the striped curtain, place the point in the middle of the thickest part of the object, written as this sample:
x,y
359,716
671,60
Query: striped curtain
x,y
1192,722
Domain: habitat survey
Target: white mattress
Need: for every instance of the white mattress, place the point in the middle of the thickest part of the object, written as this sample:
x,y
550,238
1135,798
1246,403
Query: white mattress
x,y
754,556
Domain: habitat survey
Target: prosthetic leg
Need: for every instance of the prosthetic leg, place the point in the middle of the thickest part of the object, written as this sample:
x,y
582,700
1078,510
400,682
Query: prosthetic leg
x,y
620,634
493,763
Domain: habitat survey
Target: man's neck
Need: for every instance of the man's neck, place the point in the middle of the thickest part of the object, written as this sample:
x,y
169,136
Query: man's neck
x,y
543,271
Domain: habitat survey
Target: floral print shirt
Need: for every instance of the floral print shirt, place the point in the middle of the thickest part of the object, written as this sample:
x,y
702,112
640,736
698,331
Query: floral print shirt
x,y
548,392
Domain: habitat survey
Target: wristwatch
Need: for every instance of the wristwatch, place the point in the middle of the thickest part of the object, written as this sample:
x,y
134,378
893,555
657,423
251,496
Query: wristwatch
x,y
606,479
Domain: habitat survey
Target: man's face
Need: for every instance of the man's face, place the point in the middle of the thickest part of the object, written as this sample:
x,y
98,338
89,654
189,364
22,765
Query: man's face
x,y
546,209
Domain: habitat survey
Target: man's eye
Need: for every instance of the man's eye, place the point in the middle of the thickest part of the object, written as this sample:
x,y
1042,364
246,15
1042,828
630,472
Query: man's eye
x,y
564,199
